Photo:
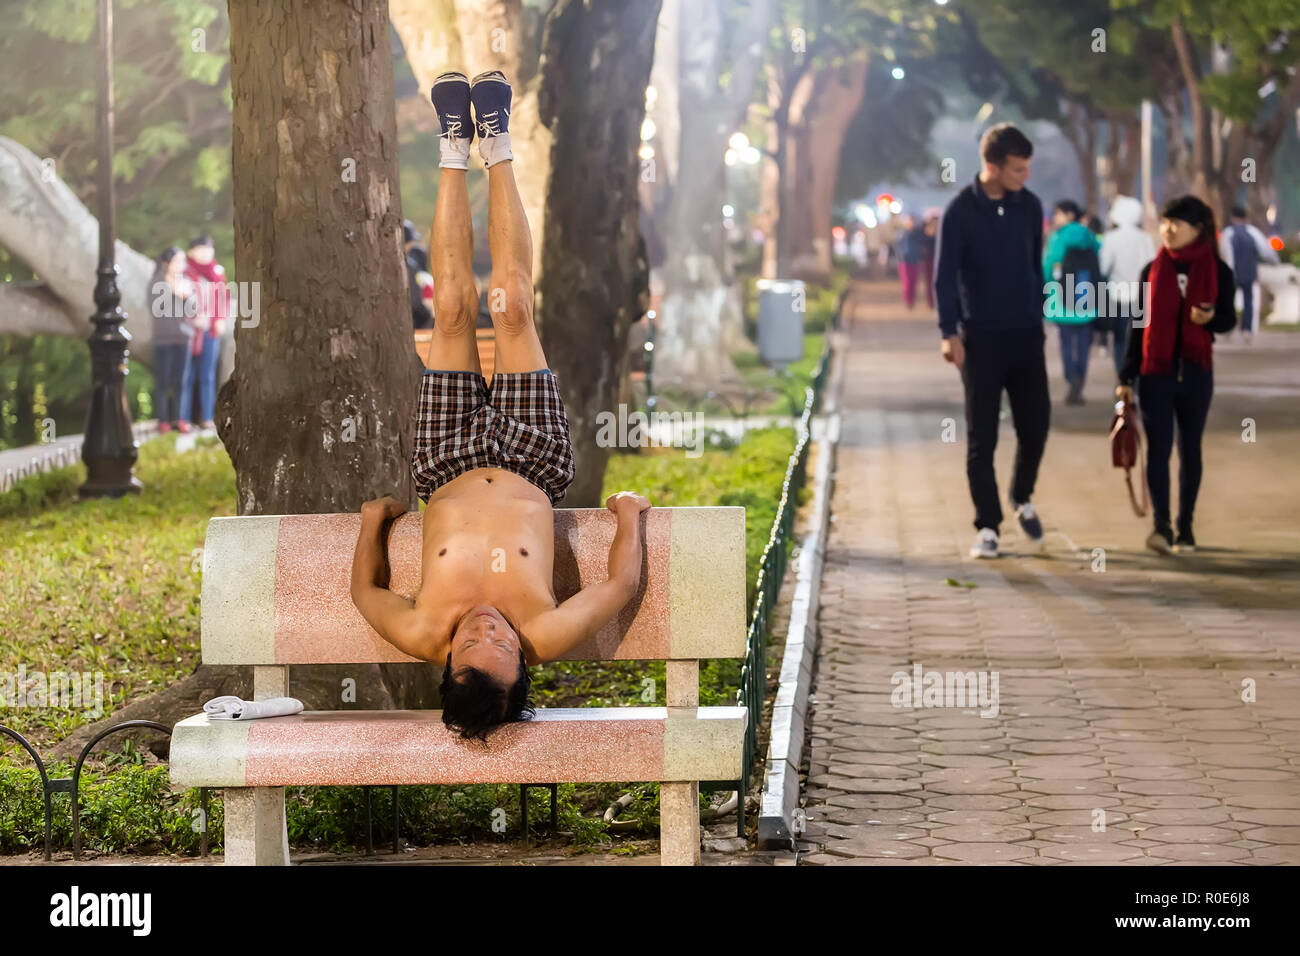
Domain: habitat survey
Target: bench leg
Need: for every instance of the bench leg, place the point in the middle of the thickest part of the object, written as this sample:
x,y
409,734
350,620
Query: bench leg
x,y
679,824
257,833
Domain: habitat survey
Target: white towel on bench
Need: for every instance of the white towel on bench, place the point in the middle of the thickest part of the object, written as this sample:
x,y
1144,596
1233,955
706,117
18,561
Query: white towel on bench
x,y
235,708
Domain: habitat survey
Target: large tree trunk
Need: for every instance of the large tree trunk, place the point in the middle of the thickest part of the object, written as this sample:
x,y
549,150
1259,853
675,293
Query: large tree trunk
x,y
815,133
318,415
1080,131
594,279
47,227
700,319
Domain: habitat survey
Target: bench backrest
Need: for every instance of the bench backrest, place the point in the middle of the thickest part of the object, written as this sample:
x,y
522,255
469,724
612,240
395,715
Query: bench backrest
x,y
276,588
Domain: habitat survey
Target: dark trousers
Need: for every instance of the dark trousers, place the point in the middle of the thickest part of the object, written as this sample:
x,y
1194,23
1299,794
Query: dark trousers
x,y
997,360
169,368
1165,403
1076,340
1247,306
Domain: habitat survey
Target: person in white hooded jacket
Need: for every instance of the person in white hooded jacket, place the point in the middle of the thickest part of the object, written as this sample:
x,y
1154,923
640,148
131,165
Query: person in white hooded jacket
x,y
1125,249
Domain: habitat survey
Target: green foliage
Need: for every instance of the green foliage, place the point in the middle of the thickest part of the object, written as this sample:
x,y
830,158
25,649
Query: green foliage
x,y
49,376
128,809
172,107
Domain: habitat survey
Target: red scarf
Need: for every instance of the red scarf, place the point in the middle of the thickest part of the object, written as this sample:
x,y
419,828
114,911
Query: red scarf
x,y
1168,310
210,283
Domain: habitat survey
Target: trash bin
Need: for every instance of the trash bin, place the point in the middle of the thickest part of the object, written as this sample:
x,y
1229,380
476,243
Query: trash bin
x,y
781,305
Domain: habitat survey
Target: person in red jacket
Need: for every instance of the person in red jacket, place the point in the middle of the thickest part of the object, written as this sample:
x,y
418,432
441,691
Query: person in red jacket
x,y
209,279
1187,298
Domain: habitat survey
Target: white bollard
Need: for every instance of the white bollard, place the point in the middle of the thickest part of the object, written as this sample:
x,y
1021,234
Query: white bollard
x,y
1283,284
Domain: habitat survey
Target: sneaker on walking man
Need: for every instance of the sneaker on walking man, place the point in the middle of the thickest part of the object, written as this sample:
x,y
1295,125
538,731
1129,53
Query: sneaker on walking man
x,y
989,290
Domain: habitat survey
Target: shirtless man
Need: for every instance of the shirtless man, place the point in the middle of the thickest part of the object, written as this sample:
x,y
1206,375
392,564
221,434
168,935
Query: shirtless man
x,y
490,463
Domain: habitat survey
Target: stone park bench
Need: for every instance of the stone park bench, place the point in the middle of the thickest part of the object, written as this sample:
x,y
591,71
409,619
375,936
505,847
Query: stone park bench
x,y
276,593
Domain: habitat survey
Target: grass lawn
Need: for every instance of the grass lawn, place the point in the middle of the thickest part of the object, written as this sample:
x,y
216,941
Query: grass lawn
x,y
113,586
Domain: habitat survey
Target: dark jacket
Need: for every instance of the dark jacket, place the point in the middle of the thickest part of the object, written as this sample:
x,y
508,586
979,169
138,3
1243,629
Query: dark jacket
x,y
988,271
171,312
1225,318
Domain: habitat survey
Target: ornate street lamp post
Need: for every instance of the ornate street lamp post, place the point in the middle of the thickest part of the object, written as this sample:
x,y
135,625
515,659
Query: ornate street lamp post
x,y
110,449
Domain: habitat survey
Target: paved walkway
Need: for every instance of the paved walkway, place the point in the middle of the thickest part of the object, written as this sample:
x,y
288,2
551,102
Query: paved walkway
x,y
1119,690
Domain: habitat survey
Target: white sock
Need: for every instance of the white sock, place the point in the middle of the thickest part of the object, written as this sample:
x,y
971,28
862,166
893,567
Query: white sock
x,y
495,149
454,152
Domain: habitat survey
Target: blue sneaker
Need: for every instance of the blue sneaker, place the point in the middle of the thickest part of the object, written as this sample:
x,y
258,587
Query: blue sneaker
x,y
450,96
490,94
1030,526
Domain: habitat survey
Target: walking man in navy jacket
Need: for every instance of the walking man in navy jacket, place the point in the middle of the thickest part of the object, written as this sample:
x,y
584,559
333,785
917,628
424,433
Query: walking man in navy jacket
x,y
989,290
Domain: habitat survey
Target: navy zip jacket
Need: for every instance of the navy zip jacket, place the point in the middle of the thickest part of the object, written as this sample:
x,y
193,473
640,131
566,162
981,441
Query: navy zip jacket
x,y
988,267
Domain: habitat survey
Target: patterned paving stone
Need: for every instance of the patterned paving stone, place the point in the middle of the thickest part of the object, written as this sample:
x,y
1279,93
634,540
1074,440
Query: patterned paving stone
x,y
1118,691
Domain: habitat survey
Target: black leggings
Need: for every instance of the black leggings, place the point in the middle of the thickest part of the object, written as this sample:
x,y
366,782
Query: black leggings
x,y
1164,402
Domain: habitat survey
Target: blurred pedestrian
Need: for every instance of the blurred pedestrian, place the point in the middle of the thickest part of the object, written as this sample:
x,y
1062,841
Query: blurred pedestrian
x,y
1188,293
417,266
212,306
1242,246
1125,249
910,249
1070,262
173,301
929,231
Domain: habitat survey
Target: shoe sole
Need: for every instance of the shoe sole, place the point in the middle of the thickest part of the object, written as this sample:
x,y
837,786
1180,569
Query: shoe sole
x,y
491,76
985,555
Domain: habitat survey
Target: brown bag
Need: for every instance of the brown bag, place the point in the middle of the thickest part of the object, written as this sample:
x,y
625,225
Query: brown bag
x,y
1126,453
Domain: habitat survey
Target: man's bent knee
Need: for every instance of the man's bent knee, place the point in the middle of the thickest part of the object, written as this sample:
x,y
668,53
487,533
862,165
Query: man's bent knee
x,y
510,303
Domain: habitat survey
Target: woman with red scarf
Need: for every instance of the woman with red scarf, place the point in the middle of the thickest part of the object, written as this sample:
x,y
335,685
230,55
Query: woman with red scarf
x,y
1187,294
209,279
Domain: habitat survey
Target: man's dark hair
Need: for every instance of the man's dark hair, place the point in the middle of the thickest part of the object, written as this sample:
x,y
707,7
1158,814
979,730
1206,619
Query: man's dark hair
x,y
1070,208
1003,140
475,704
1238,212
203,240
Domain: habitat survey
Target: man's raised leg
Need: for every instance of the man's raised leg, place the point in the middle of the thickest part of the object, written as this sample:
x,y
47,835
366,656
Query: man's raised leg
x,y
510,292
451,246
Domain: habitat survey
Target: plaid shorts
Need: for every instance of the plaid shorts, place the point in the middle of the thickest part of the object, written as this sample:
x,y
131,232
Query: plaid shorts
x,y
518,424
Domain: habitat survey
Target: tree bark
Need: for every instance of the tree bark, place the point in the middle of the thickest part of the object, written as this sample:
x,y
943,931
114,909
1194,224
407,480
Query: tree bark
x,y
816,133
594,279
318,415
699,318
1080,132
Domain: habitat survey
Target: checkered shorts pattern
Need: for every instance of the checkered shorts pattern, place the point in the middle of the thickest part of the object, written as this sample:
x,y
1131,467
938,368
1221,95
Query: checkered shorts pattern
x,y
518,424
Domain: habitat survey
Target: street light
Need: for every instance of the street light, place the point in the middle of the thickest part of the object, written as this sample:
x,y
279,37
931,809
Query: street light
x,y
109,448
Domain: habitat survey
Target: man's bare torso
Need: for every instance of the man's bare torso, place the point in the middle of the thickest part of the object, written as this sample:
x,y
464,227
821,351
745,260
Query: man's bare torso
x,y
489,538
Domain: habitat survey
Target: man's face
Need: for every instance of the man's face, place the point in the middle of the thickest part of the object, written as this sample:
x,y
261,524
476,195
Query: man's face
x,y
201,254
484,640
1060,218
1012,174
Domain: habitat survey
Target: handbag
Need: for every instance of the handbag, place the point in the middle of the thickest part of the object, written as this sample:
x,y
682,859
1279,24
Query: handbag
x,y
1126,453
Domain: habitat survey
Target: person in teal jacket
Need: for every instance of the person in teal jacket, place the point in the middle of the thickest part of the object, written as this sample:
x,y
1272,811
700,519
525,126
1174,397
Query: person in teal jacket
x,y
1072,271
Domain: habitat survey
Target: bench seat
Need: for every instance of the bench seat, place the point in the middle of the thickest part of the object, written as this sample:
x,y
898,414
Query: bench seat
x,y
394,747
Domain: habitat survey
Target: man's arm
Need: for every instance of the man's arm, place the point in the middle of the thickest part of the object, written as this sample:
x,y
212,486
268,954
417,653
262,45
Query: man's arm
x,y
559,630
392,615
947,266
1266,252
